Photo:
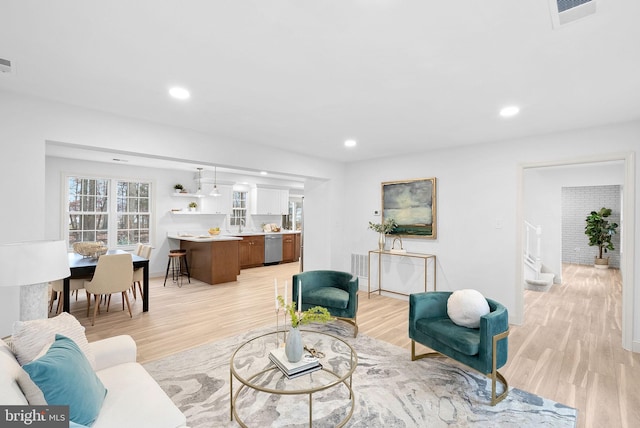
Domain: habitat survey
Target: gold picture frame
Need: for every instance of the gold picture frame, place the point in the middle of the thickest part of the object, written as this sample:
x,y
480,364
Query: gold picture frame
x,y
412,204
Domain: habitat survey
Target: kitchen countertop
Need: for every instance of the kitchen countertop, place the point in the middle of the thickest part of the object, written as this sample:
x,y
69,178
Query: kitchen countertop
x,y
227,236
245,233
204,238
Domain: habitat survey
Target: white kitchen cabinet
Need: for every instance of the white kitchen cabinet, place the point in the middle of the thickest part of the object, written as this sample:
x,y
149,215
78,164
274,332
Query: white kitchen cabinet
x,y
219,204
269,201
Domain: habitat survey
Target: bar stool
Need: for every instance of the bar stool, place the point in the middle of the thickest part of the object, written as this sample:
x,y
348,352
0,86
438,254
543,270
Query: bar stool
x,y
177,258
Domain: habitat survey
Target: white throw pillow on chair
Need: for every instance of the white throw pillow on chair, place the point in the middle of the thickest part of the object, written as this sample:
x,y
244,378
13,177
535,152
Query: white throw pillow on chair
x,y
465,307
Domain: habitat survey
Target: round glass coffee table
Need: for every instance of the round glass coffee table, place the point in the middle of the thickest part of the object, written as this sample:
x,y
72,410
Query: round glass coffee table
x,y
251,366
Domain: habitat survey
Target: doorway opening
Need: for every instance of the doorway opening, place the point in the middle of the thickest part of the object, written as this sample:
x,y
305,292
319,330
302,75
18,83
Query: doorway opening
x,y
544,176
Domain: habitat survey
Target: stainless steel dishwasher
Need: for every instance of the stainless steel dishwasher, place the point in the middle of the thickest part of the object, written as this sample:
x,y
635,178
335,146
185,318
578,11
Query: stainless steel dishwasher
x,y
272,248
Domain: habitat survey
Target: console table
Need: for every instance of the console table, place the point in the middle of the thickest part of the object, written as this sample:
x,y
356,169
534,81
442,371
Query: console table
x,y
380,253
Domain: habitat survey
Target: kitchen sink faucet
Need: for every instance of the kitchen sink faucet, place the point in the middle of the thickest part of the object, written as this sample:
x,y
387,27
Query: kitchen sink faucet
x,y
240,224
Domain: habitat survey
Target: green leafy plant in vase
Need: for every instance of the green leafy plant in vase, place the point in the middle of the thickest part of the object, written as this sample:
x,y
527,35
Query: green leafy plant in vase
x,y
388,226
293,345
192,206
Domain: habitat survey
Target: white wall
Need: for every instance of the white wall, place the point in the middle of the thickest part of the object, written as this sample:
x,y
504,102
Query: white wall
x,y
543,202
477,205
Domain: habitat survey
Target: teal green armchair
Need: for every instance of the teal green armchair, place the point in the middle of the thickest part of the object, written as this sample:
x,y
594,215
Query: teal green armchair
x,y
483,349
337,291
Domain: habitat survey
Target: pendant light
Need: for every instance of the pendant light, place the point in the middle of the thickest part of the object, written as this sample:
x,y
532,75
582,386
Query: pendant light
x,y
215,191
199,181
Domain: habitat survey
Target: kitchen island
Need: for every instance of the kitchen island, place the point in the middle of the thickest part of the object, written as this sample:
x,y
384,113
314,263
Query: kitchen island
x,y
212,259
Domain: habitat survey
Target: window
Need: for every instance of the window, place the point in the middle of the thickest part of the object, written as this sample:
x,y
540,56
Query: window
x,y
133,213
88,206
94,215
239,209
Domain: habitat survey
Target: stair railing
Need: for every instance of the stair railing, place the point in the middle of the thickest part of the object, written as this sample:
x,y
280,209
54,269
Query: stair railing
x,y
533,257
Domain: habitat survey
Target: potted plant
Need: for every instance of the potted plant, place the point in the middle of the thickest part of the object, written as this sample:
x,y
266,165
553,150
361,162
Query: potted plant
x,y
388,226
192,206
600,232
293,345
178,188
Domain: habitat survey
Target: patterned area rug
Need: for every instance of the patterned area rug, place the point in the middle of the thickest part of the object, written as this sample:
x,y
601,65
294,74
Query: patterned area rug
x,y
390,391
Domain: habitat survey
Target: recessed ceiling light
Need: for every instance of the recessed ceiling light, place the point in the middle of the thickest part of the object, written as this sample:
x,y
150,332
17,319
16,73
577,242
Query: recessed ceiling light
x,y
263,173
350,143
179,93
509,111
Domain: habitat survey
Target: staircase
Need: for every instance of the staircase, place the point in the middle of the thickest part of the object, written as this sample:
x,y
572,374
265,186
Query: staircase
x,y
534,277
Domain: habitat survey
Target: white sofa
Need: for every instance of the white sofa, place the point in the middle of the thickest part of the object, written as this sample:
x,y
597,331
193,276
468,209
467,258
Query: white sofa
x,y
134,399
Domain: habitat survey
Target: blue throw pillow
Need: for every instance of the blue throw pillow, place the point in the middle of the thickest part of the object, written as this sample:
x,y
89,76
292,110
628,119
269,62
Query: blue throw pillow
x,y
66,378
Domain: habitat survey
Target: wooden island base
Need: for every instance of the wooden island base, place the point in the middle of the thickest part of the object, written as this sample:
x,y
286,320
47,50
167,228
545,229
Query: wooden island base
x,y
213,262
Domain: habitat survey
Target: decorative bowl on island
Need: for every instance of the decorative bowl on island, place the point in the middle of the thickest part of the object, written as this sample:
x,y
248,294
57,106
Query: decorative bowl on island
x,y
214,231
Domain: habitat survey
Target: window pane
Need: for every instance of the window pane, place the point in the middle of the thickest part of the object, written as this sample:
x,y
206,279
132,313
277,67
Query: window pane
x,y
144,205
88,203
89,222
102,188
102,204
102,221
133,189
74,237
75,222
123,237
132,205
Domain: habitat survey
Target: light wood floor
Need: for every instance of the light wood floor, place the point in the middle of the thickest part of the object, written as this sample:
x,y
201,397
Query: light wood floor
x,y
568,349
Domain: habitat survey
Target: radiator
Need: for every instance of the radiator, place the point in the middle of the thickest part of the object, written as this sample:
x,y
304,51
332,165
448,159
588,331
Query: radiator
x,y
360,265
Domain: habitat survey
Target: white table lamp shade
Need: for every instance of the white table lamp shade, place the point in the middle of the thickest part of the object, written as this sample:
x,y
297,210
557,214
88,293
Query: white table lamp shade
x,y
30,266
33,262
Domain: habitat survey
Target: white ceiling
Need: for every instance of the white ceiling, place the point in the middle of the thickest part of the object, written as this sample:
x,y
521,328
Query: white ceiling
x,y
397,76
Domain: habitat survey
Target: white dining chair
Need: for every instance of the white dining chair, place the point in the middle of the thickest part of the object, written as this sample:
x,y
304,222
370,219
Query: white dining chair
x,y
142,250
114,274
57,288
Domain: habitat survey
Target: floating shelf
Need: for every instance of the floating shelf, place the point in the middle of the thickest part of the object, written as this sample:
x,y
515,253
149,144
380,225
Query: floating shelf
x,y
188,195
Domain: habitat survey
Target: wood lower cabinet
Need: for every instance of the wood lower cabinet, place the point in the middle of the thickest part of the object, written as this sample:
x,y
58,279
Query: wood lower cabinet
x,y
251,251
212,262
296,246
288,250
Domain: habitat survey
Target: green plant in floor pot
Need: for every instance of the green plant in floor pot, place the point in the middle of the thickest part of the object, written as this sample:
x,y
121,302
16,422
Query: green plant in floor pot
x,y
600,232
293,345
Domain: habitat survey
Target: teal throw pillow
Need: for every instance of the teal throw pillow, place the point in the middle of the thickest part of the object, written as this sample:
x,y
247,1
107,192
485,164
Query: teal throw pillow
x,y
66,378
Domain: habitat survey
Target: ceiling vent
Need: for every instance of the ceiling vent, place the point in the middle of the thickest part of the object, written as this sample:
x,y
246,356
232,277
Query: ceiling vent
x,y
566,11
5,65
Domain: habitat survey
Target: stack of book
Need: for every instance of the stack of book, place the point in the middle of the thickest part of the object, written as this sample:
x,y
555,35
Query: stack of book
x,y
306,365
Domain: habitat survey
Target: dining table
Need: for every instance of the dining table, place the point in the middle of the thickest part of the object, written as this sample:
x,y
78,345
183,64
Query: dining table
x,y
83,267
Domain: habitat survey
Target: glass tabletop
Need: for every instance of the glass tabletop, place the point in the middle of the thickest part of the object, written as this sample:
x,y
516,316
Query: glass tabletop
x,y
250,363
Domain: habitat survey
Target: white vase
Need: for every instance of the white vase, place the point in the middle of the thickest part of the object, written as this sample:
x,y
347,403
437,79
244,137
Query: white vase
x,y
382,239
293,345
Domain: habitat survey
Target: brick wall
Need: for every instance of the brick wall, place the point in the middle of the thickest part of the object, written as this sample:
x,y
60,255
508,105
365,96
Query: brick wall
x,y
577,203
